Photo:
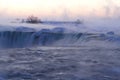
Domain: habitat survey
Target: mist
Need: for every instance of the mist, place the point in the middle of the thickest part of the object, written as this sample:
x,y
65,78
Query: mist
x,y
108,20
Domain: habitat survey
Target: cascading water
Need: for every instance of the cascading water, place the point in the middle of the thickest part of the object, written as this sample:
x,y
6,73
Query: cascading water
x,y
14,39
23,39
46,37
60,36
63,54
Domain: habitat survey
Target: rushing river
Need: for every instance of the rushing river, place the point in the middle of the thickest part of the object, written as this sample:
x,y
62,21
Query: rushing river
x,y
60,63
55,54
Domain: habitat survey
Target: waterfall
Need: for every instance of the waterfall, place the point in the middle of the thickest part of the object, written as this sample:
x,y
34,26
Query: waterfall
x,y
14,39
10,39
49,37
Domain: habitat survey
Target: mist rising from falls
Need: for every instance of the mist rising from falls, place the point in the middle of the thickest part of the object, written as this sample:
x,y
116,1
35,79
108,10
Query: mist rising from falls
x,y
28,35
46,37
9,39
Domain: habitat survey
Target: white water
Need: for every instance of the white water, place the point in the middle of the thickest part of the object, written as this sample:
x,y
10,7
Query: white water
x,y
64,53
24,35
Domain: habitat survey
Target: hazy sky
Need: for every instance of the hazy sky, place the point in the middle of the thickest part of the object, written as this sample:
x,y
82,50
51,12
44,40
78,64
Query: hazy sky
x,y
59,9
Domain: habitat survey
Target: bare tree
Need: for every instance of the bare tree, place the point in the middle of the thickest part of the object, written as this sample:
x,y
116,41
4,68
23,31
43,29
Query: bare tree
x,y
33,20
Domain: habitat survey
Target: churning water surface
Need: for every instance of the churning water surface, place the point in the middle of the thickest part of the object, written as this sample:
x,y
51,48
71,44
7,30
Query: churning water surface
x,y
56,55
88,62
